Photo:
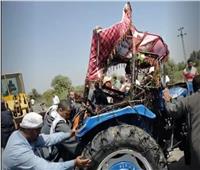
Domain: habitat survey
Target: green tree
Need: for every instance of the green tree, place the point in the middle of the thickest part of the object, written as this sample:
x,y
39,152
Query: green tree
x,y
47,96
181,66
195,57
61,85
79,89
170,68
174,71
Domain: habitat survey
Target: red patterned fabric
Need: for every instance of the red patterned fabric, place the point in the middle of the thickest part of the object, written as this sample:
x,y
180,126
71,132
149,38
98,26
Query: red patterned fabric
x,y
104,42
147,42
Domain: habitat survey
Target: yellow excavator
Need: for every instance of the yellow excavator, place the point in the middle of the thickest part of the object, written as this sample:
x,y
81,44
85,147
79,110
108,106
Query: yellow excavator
x,y
14,96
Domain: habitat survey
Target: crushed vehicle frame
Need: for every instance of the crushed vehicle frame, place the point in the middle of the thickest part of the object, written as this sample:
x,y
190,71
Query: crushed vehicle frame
x,y
136,132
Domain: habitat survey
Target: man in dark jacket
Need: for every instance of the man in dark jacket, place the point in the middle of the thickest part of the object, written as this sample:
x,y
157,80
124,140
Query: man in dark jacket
x,y
61,123
58,121
74,106
189,105
7,125
99,97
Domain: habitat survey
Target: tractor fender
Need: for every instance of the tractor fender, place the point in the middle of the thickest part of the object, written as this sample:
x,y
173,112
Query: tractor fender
x,y
176,92
94,121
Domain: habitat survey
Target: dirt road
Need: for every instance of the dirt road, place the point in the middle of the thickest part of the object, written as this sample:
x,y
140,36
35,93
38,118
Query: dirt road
x,y
179,163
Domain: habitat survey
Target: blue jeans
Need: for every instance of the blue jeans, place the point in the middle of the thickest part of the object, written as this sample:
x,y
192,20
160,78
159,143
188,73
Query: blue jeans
x,y
190,87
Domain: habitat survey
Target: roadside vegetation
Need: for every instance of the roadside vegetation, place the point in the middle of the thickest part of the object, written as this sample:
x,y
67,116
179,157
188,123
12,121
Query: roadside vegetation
x,y
60,86
174,71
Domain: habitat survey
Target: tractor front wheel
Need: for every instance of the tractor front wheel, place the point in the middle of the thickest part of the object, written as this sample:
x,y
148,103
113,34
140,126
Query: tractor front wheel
x,y
124,147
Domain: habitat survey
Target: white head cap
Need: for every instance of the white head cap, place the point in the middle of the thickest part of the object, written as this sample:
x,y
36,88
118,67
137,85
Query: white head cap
x,y
32,101
31,120
56,100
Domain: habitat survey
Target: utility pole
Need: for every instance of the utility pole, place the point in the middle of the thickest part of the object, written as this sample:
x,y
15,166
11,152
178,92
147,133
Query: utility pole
x,y
181,35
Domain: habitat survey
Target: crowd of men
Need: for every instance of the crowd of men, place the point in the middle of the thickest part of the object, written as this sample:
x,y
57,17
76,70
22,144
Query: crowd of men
x,y
49,142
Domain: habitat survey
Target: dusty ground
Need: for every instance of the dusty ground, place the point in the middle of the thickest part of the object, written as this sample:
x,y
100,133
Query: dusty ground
x,y
178,161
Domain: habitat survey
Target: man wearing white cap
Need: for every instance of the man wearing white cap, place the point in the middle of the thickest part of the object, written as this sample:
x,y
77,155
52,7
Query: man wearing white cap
x,y
56,100
53,107
19,152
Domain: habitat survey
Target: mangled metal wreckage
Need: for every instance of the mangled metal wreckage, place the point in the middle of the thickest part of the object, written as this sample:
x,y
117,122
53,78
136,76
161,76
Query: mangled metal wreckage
x,y
136,132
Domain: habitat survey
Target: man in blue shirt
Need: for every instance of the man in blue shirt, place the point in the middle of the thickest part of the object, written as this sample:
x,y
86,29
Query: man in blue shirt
x,y
19,152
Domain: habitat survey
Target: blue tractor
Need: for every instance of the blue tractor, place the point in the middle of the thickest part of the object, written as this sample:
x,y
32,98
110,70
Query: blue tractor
x,y
119,139
132,131
129,135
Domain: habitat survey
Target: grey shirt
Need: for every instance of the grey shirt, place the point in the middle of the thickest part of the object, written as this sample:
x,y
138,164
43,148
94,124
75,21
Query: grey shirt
x,y
189,105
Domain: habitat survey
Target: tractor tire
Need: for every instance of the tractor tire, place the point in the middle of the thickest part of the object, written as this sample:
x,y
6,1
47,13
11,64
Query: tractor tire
x,y
124,147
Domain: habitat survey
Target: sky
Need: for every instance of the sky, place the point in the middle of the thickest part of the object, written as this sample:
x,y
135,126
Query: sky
x,y
44,39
